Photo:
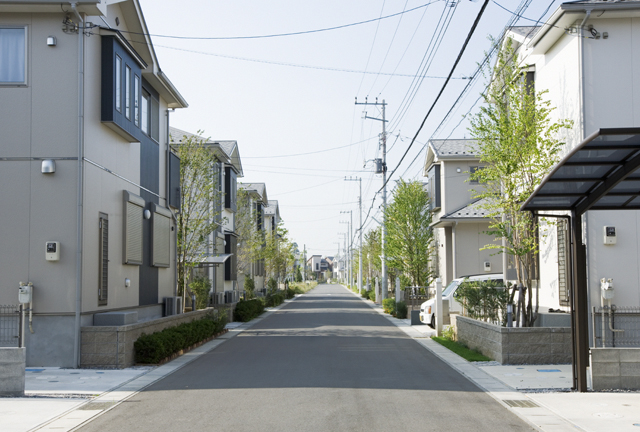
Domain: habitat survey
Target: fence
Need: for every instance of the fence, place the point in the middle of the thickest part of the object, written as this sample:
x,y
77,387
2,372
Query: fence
x,y
10,325
415,296
618,327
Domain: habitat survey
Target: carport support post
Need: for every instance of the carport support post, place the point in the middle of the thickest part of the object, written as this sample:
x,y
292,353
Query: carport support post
x,y
580,311
439,307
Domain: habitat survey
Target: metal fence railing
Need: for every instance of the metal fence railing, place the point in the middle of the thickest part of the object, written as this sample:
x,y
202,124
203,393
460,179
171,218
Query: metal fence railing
x,y
10,326
415,296
618,327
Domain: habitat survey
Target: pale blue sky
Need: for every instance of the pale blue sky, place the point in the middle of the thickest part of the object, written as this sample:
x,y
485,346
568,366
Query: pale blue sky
x,y
275,109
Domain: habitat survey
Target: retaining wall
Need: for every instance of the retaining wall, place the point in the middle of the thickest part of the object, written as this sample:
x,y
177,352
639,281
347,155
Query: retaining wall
x,y
12,371
528,345
615,368
111,347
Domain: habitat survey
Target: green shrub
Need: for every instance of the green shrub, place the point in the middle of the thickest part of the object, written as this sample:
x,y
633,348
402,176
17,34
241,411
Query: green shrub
x,y
364,293
201,286
246,310
272,285
274,299
372,295
155,347
401,310
389,305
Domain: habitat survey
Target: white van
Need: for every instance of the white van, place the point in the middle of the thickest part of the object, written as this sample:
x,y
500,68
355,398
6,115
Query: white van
x,y
427,309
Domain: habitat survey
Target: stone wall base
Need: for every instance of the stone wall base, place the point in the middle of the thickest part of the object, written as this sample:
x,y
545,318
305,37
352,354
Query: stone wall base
x,y
615,368
12,371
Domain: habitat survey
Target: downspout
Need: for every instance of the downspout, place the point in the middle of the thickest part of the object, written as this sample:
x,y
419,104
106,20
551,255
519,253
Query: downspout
x,y
581,79
166,195
454,251
80,187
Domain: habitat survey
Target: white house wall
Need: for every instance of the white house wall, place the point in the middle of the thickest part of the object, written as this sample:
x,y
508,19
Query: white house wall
x,y
470,238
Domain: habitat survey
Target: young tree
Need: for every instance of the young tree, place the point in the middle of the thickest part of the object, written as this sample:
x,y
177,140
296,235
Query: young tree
x,y
198,210
409,236
517,140
371,252
249,238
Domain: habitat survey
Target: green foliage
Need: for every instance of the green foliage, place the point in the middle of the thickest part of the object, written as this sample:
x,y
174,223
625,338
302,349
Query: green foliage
x,y
201,286
517,141
389,305
246,310
272,285
461,350
409,236
250,240
249,283
372,295
449,333
298,275
153,348
401,310
197,218
274,299
364,293
484,300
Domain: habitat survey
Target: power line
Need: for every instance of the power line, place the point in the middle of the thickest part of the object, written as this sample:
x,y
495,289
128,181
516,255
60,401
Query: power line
x,y
281,34
308,153
464,46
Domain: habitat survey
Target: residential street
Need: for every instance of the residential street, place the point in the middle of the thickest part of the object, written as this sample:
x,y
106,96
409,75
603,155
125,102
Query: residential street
x,y
324,362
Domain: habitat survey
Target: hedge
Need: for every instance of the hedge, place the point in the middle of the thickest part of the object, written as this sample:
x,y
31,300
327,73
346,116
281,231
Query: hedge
x,y
401,310
153,348
389,305
246,310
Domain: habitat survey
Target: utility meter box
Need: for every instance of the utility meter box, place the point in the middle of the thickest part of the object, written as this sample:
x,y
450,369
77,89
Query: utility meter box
x,y
25,294
610,235
53,251
606,287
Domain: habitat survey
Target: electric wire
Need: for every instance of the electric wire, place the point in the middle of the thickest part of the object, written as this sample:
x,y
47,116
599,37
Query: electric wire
x,y
308,153
373,43
464,46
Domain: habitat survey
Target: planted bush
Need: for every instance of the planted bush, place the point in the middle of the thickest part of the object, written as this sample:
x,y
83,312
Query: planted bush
x,y
274,299
389,305
372,295
246,310
155,347
401,310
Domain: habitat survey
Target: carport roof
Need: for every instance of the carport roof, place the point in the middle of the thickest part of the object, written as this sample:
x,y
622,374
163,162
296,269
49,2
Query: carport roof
x,y
602,173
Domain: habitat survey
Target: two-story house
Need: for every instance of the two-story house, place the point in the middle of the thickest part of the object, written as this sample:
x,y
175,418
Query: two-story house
x,y
89,186
219,261
459,221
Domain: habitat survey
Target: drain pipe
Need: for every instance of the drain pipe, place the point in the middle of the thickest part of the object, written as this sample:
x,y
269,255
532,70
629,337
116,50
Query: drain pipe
x,y
173,215
80,189
581,81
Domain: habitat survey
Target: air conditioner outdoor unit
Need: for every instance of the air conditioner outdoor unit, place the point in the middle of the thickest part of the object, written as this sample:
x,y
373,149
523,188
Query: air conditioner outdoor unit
x,y
228,296
172,306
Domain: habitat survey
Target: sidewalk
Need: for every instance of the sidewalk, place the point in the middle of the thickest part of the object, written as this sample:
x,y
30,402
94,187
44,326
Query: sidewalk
x,y
539,394
58,399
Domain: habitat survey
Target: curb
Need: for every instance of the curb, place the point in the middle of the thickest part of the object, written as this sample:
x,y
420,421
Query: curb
x,y
537,416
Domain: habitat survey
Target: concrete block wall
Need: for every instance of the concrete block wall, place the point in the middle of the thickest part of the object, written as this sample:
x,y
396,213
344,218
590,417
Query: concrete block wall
x,y
531,345
111,347
12,371
615,368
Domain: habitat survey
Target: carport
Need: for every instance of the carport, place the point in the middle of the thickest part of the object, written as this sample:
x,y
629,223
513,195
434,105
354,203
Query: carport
x,y
602,173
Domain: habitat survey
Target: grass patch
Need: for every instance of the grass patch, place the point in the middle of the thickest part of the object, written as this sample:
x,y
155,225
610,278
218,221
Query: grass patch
x,y
461,350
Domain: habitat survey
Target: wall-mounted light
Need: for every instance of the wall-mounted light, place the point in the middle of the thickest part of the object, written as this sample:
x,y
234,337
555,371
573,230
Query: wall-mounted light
x,y
458,170
127,282
147,214
52,41
48,166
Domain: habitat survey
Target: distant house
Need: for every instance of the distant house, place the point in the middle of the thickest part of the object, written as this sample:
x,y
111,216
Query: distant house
x,y
220,257
460,224
89,188
256,202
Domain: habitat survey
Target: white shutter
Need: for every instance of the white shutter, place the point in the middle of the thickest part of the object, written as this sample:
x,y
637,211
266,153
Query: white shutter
x,y
161,237
133,215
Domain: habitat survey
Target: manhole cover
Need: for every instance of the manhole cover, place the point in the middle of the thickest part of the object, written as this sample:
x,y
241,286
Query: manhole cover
x,y
521,403
97,406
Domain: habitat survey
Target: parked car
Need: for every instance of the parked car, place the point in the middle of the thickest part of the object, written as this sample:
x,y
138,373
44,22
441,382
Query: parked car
x,y
427,309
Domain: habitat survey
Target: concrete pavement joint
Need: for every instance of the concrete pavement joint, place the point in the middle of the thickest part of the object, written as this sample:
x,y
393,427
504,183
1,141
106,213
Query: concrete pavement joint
x,y
81,414
541,418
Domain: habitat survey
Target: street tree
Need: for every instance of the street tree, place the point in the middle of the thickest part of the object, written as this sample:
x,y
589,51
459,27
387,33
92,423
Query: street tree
x,y
409,241
250,239
199,214
517,140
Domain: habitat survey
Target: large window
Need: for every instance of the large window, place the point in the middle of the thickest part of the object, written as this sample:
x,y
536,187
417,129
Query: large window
x,y
145,118
127,92
13,57
118,72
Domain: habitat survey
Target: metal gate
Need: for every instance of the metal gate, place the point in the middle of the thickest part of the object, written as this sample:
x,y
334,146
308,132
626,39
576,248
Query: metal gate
x,y
10,325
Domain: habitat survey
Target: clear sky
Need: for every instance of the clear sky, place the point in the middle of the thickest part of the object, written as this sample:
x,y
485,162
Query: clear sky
x,y
289,100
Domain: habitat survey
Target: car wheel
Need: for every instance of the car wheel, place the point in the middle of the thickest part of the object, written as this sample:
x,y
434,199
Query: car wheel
x,y
433,322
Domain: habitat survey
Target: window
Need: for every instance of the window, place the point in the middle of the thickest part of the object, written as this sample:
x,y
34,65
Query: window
x,y
127,92
136,100
433,177
103,260
118,72
161,237
133,214
144,112
231,188
13,58
231,264
473,170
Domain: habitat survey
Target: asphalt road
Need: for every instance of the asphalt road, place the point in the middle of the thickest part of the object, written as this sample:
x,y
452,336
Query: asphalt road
x,y
325,362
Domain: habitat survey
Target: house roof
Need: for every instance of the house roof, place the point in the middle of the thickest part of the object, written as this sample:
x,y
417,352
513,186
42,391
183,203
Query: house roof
x,y
449,149
272,208
525,32
227,150
258,188
472,212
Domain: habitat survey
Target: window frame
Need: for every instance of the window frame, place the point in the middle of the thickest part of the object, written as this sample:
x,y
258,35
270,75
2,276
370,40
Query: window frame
x,y
133,237
127,91
145,115
24,82
118,83
136,100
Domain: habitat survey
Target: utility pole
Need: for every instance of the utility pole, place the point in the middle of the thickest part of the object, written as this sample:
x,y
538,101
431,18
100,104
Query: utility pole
x,y
381,168
347,248
345,252
359,179
350,234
